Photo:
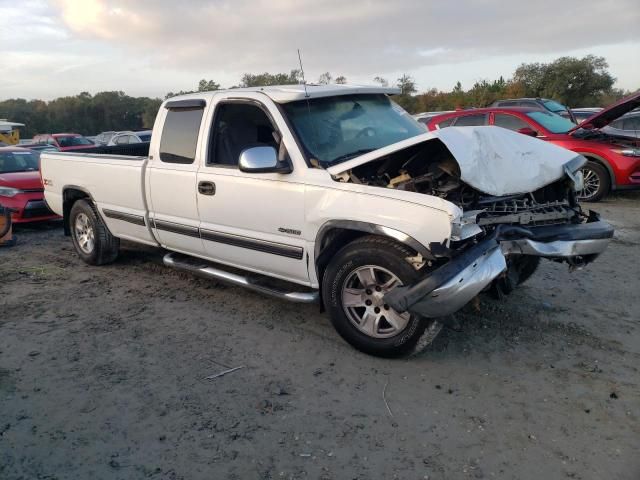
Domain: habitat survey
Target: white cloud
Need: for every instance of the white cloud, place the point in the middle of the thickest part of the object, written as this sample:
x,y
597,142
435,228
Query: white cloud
x,y
154,46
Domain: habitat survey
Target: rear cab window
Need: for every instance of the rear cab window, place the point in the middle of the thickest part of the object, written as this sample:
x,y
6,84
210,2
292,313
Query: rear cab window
x,y
180,135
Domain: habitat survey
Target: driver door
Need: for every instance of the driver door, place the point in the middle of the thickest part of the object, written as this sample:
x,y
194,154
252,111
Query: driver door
x,y
254,221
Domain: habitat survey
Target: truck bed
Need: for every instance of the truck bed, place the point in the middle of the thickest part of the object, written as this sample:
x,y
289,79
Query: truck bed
x,y
115,183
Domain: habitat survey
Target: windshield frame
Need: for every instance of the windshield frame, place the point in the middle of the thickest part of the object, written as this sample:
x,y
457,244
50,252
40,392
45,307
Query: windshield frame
x,y
308,155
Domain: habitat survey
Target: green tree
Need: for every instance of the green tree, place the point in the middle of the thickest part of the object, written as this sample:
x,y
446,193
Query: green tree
x,y
570,80
208,85
407,85
341,80
325,78
264,79
203,86
382,81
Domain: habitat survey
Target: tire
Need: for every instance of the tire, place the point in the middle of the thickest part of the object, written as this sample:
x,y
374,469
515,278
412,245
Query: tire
x,y
519,270
94,244
527,267
357,312
597,182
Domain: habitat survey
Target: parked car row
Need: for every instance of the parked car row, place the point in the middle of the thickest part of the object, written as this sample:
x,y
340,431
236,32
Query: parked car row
x,y
123,138
63,141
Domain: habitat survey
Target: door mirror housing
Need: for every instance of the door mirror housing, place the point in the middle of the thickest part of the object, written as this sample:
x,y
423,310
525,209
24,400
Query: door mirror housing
x,y
528,131
263,159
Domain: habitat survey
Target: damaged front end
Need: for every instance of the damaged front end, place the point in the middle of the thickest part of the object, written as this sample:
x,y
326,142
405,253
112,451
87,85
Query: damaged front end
x,y
515,212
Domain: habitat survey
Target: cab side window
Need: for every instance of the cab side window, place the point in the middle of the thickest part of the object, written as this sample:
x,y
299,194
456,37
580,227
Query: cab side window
x,y
180,135
238,126
508,121
470,121
446,123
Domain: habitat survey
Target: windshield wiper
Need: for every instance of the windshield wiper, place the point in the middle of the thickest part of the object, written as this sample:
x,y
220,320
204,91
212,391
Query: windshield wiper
x,y
349,156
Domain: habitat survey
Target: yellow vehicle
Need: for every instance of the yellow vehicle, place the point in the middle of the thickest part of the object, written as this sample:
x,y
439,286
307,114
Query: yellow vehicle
x,y
9,132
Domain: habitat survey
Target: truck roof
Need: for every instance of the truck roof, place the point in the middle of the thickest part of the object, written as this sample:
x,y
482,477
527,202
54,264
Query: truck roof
x,y
291,93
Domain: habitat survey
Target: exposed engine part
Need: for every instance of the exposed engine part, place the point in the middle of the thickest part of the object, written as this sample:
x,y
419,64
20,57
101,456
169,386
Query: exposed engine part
x,y
432,170
418,261
525,211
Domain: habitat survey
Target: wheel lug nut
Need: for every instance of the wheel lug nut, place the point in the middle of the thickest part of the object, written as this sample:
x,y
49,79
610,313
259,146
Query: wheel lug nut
x,y
378,288
369,292
368,302
386,307
377,310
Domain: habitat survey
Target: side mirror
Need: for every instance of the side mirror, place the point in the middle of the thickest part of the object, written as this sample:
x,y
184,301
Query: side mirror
x,y
262,160
528,131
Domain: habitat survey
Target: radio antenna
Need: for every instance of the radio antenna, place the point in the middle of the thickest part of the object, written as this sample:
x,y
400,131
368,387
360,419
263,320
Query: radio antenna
x,y
304,81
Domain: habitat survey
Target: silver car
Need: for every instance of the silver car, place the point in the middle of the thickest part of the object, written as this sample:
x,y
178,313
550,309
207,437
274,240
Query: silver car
x,y
626,126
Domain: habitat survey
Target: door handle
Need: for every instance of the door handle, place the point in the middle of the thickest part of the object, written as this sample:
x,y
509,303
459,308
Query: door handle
x,y
207,188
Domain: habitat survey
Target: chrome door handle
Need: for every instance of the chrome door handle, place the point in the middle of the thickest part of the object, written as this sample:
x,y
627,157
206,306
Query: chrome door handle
x,y
207,188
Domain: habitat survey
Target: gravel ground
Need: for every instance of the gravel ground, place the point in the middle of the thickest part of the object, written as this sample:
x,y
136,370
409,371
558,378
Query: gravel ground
x,y
102,376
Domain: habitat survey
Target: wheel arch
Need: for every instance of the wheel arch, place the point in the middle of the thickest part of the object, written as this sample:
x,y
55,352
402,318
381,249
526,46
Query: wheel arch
x,y
600,160
70,195
335,234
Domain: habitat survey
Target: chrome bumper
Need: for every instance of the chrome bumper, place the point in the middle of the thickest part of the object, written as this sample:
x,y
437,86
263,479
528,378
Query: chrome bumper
x,y
463,287
557,249
450,287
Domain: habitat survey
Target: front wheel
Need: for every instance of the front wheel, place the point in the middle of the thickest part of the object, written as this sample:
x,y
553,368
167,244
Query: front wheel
x,y
353,290
596,182
91,239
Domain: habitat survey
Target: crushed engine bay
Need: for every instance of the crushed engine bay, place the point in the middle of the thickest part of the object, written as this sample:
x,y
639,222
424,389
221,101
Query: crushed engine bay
x,y
430,168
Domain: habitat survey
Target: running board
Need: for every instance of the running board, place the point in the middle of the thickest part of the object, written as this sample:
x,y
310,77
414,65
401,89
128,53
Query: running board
x,y
207,270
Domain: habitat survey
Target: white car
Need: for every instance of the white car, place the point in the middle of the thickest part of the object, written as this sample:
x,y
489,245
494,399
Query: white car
x,y
333,194
127,138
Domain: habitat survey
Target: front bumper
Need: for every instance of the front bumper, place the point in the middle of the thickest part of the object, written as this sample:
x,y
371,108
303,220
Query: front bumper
x,y
451,286
28,207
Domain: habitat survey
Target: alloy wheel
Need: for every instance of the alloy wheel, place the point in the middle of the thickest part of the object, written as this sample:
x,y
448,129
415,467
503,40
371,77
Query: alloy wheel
x,y
591,184
363,301
85,234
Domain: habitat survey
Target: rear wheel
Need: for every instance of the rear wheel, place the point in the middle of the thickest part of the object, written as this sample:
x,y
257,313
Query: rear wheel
x,y
353,289
91,239
596,182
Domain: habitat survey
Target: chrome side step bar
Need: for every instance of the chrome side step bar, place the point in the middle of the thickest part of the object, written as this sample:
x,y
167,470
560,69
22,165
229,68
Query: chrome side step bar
x,y
207,270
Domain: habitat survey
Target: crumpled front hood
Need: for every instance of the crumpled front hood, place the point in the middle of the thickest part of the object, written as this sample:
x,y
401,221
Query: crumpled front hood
x,y
493,160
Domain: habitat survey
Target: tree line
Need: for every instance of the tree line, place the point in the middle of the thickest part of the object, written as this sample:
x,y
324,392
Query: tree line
x,y
576,82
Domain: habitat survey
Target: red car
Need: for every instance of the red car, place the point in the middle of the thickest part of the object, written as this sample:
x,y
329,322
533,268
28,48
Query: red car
x,y
64,141
21,186
613,162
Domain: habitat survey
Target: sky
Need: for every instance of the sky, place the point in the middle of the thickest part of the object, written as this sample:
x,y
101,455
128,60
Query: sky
x,y
52,48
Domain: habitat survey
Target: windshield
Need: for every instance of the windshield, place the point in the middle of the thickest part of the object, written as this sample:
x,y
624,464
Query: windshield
x,y
552,122
73,141
335,129
555,106
11,162
145,137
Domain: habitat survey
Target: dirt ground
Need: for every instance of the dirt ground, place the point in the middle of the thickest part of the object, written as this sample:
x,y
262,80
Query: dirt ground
x,y
102,376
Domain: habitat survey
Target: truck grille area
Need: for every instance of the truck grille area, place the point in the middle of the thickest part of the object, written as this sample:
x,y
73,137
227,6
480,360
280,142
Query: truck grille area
x,y
526,210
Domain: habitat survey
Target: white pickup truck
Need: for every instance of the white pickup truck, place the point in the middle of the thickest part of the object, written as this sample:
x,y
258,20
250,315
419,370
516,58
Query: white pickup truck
x,y
333,194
